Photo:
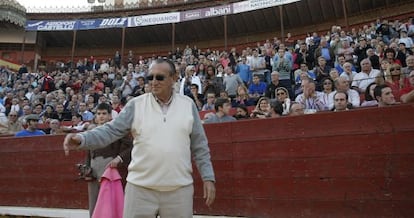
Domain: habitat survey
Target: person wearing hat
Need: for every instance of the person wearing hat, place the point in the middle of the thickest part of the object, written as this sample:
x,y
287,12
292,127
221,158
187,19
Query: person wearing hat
x,y
32,120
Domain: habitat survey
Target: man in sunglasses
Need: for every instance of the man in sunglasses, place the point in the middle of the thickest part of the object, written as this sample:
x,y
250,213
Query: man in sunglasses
x,y
167,131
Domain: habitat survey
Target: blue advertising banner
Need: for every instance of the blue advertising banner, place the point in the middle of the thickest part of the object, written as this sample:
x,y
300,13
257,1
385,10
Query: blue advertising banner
x,y
51,25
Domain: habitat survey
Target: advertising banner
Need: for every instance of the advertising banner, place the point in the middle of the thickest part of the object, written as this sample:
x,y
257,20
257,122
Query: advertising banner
x,y
55,25
251,5
154,19
100,23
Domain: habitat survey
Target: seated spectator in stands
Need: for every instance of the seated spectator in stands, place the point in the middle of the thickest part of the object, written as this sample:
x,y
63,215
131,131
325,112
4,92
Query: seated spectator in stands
x,y
62,114
302,72
83,110
128,85
348,72
77,124
328,92
274,83
196,96
342,85
222,107
26,111
390,55
333,74
296,109
276,109
410,65
243,98
49,114
13,124
262,109
340,65
15,106
384,96
257,88
116,103
31,130
282,96
340,101
375,60
139,88
54,128
242,113
365,77
209,105
369,99
407,93
394,80
321,71
311,99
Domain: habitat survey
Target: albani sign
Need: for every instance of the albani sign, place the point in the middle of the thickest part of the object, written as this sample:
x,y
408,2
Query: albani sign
x,y
153,19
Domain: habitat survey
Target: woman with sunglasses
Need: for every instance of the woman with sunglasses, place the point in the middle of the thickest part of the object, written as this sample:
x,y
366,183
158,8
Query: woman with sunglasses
x,y
328,91
282,95
394,79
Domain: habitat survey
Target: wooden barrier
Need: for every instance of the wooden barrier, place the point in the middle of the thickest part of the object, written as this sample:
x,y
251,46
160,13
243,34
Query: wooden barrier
x,y
350,164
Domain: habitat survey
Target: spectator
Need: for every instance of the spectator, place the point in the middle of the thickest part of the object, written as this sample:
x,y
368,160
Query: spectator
x,y
243,70
196,96
274,83
54,127
327,93
84,112
394,80
222,107
78,124
361,51
212,83
282,96
13,124
257,88
321,71
262,109
189,79
342,85
365,77
348,72
296,109
276,109
407,94
257,65
31,130
369,96
231,82
340,101
209,105
410,65
384,96
283,67
62,114
241,113
243,98
375,59
128,85
402,53
311,99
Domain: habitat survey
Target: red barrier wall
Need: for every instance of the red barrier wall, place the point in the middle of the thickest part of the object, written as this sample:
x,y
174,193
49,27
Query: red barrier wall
x,y
350,164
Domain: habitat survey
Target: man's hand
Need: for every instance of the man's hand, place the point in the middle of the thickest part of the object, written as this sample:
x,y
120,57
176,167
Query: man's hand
x,y
71,142
114,163
209,192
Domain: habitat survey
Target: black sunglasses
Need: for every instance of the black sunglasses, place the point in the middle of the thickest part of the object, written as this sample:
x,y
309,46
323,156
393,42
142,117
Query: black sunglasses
x,y
392,69
157,77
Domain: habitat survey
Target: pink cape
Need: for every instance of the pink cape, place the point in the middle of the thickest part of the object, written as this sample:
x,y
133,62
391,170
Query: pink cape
x,y
110,203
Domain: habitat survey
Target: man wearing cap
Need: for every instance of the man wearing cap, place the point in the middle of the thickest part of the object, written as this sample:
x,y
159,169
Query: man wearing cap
x,y
32,120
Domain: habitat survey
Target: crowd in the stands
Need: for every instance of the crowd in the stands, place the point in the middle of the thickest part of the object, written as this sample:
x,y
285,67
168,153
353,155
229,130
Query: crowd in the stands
x,y
339,70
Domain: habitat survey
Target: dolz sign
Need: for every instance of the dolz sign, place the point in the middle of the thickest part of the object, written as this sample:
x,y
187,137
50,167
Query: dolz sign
x,y
113,22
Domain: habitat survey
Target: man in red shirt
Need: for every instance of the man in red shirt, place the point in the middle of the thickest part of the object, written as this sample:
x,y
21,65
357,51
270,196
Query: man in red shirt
x,y
407,93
